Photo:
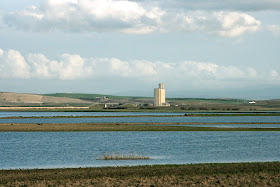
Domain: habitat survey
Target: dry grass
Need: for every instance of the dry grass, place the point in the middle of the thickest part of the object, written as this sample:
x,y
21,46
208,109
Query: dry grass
x,y
258,179
123,157
29,127
237,174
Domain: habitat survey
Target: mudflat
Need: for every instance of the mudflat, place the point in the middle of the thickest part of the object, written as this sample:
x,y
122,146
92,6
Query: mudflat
x,y
229,174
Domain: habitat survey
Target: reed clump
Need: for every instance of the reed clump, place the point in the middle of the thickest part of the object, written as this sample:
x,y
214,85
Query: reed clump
x,y
123,157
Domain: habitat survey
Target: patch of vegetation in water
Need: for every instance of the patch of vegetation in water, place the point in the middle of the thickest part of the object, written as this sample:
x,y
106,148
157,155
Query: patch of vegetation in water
x,y
123,157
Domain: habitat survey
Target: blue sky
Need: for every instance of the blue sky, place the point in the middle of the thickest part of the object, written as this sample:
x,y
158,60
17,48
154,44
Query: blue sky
x,y
217,48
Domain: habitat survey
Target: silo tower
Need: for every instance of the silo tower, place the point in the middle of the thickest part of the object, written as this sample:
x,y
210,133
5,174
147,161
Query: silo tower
x,y
159,95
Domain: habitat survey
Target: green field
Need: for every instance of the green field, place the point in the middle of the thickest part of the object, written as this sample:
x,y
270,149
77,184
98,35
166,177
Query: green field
x,y
113,97
218,100
92,96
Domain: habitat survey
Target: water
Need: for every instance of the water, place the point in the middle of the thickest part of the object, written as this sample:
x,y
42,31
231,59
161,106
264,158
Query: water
x,y
52,114
216,119
230,125
81,149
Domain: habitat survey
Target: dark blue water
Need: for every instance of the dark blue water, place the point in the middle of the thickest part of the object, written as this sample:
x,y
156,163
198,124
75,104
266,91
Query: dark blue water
x,y
81,149
221,119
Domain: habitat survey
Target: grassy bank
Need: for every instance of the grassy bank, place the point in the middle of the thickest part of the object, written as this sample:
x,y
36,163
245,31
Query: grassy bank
x,y
29,127
232,174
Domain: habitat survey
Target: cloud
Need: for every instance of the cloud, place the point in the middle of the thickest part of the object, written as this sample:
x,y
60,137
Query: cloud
x,y
86,15
275,29
211,71
218,5
274,74
235,24
119,67
13,65
70,67
129,17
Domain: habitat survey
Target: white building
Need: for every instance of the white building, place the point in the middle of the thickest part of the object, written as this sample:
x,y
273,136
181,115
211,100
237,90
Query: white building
x,y
159,95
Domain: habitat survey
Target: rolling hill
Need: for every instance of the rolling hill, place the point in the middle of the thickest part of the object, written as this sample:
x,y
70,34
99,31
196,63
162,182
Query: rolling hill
x,y
20,99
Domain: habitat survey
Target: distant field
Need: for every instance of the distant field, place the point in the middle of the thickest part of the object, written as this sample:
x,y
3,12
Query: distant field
x,y
128,103
221,101
93,96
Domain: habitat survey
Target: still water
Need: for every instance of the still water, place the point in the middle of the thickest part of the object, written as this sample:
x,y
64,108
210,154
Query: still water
x,y
216,119
52,114
230,125
81,149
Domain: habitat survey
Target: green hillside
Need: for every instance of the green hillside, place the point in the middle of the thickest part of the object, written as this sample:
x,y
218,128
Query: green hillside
x,y
216,100
93,96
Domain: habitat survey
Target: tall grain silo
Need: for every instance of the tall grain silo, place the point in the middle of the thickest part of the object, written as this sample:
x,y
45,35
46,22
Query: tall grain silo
x,y
159,95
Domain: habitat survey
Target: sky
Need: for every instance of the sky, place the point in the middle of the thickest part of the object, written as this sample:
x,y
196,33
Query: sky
x,y
206,48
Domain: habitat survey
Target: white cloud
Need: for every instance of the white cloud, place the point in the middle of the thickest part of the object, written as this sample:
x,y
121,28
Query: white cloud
x,y
13,65
274,74
1,52
145,68
275,29
128,17
211,71
43,67
74,67
70,67
235,24
119,67
86,15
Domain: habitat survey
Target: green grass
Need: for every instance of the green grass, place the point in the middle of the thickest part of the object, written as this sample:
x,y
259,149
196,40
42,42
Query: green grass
x,y
92,96
220,101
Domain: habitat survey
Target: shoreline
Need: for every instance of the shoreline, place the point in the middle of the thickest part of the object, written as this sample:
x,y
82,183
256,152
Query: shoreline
x,y
218,174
